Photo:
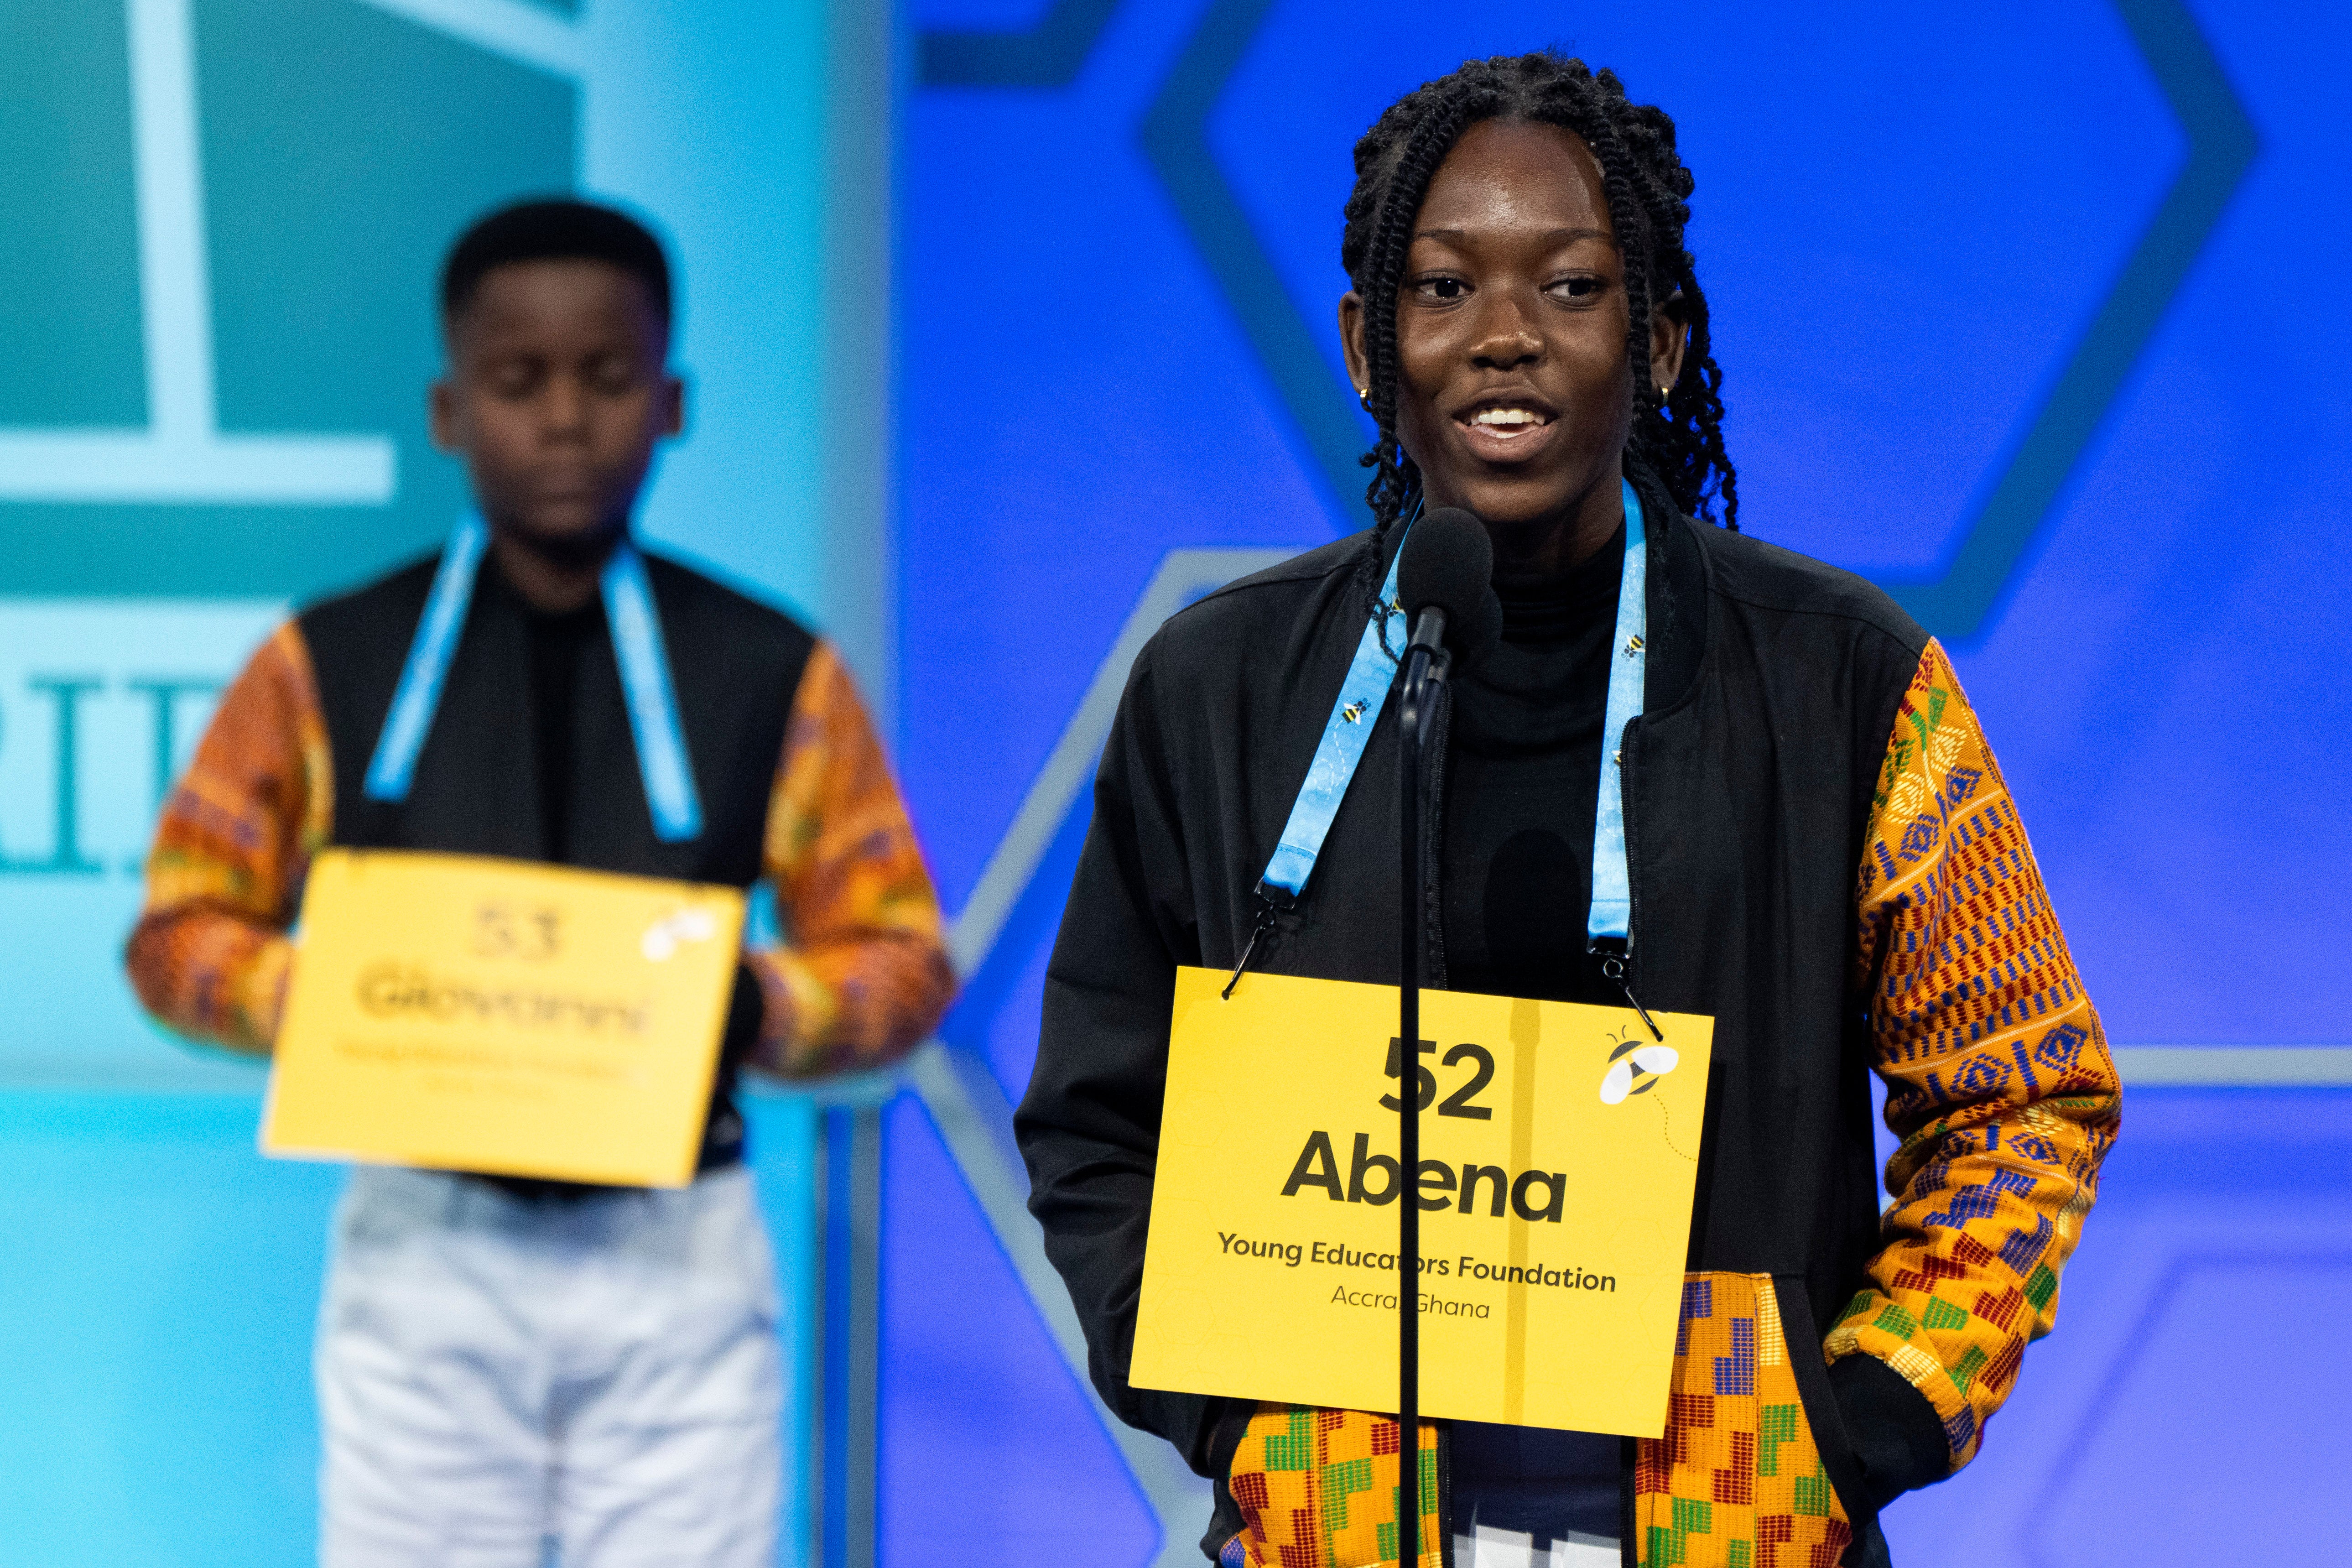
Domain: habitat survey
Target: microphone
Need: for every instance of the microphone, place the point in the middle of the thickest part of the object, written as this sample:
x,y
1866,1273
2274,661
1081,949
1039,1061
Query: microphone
x,y
1445,584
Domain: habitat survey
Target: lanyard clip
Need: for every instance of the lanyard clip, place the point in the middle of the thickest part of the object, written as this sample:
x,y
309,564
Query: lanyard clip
x,y
1270,898
1614,952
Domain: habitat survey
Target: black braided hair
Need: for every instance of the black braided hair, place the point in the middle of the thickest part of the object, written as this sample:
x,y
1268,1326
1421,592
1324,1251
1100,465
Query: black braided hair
x,y
1676,451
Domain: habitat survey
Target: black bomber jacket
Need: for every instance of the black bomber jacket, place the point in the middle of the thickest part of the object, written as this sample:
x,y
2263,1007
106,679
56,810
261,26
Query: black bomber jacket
x,y
1783,725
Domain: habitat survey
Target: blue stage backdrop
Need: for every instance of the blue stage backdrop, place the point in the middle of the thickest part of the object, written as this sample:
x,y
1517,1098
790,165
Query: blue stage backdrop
x,y
2024,311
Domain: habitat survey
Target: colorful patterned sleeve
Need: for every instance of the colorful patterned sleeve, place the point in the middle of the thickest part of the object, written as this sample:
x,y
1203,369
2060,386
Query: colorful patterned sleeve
x,y
209,954
2000,1082
863,975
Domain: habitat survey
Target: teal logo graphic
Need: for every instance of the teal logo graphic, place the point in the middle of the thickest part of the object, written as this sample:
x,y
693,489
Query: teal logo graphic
x,y
222,227
219,241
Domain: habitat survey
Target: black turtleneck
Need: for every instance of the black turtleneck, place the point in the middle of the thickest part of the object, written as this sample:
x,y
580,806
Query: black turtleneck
x,y
1523,772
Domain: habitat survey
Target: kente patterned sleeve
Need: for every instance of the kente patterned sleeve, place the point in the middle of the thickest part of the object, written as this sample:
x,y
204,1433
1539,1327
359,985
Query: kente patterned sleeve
x,y
863,975
2000,1082
208,957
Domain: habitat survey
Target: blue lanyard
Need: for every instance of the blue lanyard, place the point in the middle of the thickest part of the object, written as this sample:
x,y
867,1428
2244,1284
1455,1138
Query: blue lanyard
x,y
1628,659
1362,697
1365,692
662,762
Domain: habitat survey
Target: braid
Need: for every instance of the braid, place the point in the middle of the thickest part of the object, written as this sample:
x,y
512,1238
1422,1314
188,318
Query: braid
x,y
1394,478
1675,451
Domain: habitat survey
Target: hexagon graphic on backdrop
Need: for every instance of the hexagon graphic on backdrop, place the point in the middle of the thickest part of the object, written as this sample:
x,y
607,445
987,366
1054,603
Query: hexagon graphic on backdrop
x,y
2030,469
2121,302
222,250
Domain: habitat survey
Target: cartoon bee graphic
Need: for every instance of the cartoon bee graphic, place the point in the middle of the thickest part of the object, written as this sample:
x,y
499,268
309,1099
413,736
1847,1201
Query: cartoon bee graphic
x,y
1354,712
1634,1068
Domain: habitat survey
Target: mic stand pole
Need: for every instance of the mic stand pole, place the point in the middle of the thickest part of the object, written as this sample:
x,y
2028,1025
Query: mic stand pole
x,y
1424,670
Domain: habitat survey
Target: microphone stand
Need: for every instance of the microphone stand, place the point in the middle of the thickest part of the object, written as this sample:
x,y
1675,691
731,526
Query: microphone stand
x,y
1424,671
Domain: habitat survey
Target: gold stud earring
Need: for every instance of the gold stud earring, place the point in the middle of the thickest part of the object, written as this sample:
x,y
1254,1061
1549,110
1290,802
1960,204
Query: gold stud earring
x,y
1364,396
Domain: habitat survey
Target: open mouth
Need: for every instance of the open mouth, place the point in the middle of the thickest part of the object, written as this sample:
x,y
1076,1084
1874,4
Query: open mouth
x,y
1507,421
1508,426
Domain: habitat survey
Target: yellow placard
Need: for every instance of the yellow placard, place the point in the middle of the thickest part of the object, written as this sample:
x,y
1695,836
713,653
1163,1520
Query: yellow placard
x,y
460,1013
1560,1148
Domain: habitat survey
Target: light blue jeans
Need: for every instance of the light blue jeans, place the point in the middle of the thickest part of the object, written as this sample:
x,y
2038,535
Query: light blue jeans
x,y
496,1374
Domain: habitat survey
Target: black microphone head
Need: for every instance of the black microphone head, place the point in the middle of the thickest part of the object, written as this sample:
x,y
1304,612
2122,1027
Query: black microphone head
x,y
1449,564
